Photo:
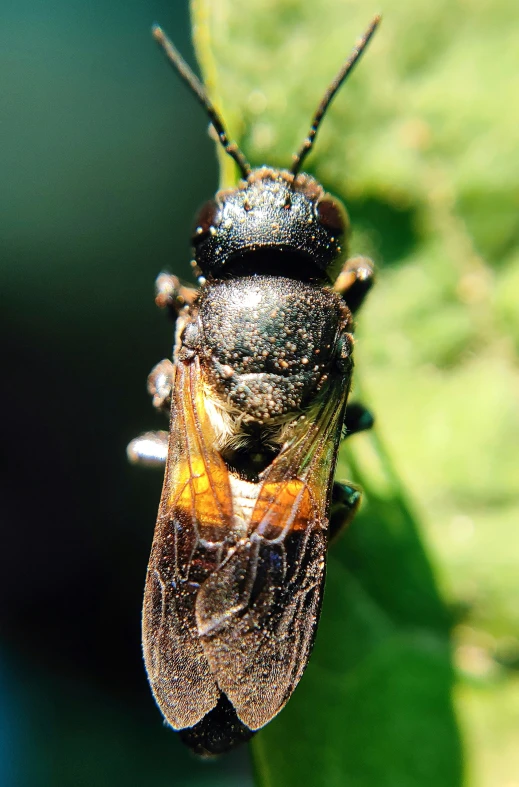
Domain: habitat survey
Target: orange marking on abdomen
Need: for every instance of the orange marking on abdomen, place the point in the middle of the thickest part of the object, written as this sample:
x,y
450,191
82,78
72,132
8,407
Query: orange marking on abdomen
x,y
286,505
193,491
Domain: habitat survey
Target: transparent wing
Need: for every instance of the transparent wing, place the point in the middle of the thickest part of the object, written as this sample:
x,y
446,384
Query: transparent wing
x,y
192,536
257,613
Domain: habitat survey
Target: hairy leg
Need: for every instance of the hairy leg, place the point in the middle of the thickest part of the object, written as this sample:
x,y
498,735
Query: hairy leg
x,y
346,496
170,294
149,449
355,281
160,384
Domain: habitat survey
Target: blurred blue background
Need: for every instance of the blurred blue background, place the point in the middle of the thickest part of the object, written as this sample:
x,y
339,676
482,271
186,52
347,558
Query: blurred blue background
x,y
105,159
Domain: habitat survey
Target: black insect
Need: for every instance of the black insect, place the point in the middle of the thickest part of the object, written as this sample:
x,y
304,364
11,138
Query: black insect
x,y
257,395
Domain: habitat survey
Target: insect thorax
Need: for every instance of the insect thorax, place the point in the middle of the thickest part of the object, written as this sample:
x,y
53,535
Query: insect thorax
x,y
268,346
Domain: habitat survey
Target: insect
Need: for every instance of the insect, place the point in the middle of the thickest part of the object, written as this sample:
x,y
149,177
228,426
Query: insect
x,y
257,399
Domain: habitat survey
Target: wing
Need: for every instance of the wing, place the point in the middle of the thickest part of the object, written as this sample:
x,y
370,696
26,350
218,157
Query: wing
x,y
257,613
192,535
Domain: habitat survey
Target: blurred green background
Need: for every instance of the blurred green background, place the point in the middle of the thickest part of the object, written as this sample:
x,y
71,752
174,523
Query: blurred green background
x,y
105,159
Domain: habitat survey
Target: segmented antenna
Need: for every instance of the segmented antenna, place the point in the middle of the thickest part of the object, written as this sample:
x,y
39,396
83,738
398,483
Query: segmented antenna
x,y
192,81
359,48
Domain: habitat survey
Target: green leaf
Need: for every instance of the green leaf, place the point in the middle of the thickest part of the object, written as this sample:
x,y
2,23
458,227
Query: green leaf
x,y
374,706
421,144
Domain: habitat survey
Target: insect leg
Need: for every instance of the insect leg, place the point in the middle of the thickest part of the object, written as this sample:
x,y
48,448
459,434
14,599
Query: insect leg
x,y
357,419
346,497
160,384
355,281
149,449
170,294
344,505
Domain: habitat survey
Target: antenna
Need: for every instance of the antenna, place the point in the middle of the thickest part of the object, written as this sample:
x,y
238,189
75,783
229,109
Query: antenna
x,y
359,48
192,81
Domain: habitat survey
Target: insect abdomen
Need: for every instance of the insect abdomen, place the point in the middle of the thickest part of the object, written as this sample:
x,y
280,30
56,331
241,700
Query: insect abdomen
x,y
218,732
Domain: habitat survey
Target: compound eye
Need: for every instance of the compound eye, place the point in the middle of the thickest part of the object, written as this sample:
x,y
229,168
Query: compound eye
x,y
332,215
205,221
